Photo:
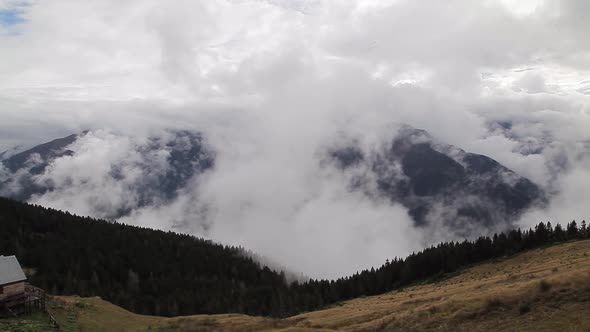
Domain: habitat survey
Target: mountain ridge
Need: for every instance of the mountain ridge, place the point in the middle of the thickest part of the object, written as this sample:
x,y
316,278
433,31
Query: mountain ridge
x,y
438,183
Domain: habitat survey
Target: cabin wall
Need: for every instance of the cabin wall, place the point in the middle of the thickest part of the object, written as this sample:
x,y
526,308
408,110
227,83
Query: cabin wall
x,y
12,289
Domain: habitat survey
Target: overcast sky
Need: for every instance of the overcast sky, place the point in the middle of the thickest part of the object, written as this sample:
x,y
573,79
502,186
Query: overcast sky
x,y
272,82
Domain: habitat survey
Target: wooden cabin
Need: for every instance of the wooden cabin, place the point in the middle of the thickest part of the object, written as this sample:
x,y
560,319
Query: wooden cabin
x,y
12,283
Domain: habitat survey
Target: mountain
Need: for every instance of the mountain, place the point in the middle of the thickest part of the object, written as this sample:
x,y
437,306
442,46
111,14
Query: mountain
x,y
21,167
11,151
158,169
41,155
440,183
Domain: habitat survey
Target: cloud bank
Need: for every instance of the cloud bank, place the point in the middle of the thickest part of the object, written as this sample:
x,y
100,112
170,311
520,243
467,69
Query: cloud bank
x,y
272,85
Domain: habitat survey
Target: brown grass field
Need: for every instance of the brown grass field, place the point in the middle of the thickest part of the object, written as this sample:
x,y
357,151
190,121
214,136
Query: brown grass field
x,y
541,290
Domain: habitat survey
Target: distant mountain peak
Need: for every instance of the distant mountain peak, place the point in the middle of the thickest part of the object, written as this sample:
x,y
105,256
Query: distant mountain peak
x,y
441,183
162,165
46,151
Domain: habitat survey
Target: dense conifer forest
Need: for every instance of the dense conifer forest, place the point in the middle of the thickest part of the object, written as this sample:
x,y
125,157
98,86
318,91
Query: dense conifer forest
x,y
164,273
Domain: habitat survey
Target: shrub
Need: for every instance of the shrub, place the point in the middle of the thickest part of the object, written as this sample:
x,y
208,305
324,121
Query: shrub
x,y
544,286
82,305
524,307
492,304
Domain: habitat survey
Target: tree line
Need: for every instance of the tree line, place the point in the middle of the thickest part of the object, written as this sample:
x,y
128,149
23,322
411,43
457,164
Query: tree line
x,y
168,274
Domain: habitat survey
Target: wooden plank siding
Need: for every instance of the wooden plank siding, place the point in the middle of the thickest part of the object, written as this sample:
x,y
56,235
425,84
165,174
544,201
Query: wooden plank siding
x,y
9,290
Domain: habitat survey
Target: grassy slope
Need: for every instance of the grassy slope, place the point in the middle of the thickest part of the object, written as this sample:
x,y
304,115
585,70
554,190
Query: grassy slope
x,y
541,290
32,323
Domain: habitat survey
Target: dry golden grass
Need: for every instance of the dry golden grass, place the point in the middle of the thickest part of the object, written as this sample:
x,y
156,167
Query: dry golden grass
x,y
94,314
540,290
501,296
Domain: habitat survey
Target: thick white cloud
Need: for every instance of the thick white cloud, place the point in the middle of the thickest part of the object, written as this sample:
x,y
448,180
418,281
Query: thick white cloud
x,y
273,83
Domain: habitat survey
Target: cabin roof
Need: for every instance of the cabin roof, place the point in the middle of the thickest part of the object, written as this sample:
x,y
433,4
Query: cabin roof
x,y
10,270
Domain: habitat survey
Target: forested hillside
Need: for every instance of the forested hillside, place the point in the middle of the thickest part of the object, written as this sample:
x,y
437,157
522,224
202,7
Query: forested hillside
x,y
143,270
164,273
542,290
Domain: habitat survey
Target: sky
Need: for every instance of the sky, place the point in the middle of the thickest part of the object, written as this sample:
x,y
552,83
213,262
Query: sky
x,y
273,83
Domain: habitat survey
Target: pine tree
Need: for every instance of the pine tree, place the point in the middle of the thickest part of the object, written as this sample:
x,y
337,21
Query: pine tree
x,y
558,233
572,230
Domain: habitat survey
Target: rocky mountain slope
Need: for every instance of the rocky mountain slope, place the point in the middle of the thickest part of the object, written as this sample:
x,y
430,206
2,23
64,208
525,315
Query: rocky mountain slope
x,y
440,183
152,173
